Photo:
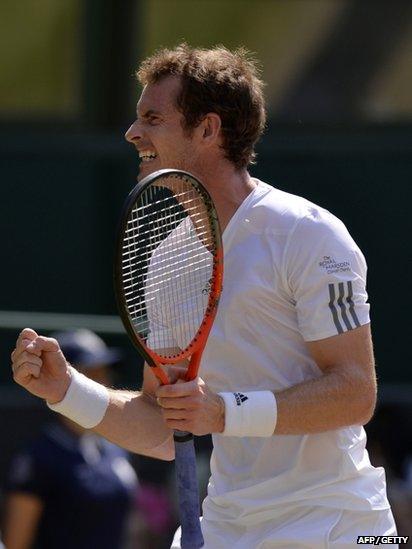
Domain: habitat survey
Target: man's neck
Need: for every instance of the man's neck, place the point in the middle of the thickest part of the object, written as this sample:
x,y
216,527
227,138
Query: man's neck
x,y
228,188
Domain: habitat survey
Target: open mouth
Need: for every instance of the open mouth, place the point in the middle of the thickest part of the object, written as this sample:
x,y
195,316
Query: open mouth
x,y
147,155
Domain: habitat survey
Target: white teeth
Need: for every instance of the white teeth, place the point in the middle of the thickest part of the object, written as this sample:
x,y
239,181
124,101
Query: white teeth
x,y
147,155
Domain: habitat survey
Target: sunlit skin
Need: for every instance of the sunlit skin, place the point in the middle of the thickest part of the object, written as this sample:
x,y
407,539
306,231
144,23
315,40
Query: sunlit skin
x,y
158,127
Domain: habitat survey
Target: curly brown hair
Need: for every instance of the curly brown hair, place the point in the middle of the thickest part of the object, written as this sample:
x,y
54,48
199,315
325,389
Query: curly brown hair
x,y
215,80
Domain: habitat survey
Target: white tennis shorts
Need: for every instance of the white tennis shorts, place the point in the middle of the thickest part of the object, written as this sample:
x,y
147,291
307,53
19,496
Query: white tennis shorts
x,y
300,528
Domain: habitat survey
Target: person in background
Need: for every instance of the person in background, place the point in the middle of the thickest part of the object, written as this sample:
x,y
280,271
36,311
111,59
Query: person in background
x,y
70,488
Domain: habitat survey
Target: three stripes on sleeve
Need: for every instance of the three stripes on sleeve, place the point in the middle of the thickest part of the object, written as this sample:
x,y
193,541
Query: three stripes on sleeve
x,y
342,306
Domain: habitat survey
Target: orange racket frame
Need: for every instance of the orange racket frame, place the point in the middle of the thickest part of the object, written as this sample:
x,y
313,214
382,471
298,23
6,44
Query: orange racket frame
x,y
195,348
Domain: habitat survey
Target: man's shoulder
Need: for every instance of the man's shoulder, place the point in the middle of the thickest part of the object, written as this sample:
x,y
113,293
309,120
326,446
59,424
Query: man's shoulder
x,y
283,211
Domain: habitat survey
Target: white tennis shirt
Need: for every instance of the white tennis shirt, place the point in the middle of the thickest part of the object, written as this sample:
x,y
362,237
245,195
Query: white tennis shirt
x,y
292,273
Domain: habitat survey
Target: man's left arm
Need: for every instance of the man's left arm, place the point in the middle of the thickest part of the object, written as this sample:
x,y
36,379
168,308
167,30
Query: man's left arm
x,y
345,393
325,273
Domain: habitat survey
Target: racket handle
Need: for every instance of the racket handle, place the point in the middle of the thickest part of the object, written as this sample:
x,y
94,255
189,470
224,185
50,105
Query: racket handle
x,y
188,490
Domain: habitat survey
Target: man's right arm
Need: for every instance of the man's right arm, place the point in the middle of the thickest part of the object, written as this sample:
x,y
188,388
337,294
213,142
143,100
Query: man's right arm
x,y
132,419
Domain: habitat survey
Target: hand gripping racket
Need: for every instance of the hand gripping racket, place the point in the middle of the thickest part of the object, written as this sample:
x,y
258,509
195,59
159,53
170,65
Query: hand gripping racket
x,y
168,278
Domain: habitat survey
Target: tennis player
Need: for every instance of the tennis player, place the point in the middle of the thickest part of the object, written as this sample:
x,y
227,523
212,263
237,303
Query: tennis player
x,y
287,378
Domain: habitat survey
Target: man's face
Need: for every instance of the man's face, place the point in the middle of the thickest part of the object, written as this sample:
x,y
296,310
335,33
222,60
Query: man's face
x,y
158,134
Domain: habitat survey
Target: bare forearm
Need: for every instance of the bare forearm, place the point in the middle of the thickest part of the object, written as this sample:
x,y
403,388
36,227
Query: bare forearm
x,y
335,400
133,420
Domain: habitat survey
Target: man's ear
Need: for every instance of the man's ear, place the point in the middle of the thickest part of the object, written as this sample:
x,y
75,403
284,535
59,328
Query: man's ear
x,y
211,126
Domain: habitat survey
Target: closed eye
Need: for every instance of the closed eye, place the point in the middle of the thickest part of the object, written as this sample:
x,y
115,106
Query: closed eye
x,y
150,117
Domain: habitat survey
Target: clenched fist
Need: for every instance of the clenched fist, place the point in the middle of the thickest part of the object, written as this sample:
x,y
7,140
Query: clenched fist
x,y
40,367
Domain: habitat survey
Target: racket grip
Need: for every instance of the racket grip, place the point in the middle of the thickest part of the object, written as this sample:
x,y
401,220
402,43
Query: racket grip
x,y
188,490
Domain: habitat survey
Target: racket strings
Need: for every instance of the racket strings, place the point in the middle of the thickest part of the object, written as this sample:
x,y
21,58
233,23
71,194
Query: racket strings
x,y
163,201
189,209
149,251
174,268
167,264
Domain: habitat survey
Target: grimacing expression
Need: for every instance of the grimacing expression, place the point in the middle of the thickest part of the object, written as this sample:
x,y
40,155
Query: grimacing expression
x,y
157,132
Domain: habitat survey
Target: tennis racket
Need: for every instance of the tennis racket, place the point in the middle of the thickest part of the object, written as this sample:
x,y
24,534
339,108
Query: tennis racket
x,y
168,279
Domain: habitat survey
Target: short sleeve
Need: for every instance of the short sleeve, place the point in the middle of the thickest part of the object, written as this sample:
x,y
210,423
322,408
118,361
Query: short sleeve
x,y
26,475
326,277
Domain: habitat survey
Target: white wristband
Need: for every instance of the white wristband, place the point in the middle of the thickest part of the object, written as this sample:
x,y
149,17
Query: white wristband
x,y
85,402
251,414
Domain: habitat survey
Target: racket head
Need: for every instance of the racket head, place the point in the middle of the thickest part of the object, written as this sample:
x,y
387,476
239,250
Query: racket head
x,y
168,267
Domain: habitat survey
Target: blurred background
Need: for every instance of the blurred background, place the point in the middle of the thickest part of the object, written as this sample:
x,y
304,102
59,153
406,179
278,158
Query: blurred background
x,y
339,94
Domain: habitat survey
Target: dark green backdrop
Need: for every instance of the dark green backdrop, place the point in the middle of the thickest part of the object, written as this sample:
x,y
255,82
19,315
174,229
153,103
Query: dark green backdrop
x,y
62,193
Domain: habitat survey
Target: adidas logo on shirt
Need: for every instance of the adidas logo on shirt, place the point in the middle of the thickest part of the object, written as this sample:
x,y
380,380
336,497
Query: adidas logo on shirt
x,y
240,398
